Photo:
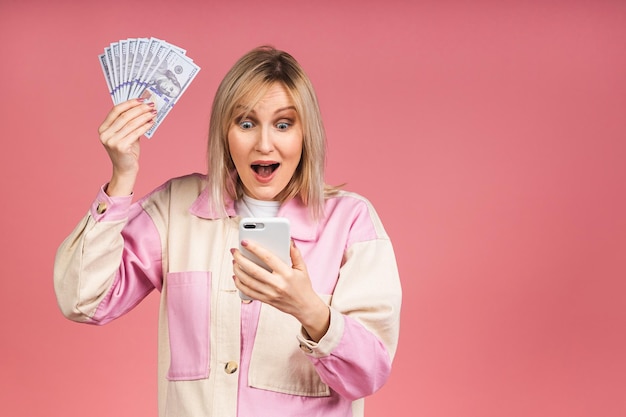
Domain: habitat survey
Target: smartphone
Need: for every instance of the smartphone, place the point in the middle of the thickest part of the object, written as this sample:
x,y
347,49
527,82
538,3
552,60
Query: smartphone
x,y
273,233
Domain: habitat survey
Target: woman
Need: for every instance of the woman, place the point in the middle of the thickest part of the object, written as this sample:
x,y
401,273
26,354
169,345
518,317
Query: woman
x,y
320,334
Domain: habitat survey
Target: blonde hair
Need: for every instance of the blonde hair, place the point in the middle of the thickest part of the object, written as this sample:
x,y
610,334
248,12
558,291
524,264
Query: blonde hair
x,y
242,87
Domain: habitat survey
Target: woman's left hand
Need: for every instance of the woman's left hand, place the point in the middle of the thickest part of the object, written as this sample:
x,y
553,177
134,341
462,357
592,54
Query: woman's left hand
x,y
287,288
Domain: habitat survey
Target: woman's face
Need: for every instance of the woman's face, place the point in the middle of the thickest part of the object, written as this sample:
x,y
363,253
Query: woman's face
x,y
266,144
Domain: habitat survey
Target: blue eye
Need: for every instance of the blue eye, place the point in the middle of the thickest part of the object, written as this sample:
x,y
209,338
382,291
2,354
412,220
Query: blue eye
x,y
246,124
282,126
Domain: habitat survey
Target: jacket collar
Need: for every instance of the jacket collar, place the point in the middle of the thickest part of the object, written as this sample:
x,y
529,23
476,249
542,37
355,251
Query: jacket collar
x,y
203,209
303,227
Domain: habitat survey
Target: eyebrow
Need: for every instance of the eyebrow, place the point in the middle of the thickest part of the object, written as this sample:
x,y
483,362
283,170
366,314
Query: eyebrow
x,y
251,111
286,108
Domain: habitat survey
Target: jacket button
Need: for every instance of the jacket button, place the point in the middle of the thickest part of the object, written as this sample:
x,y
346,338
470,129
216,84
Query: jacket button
x,y
231,367
305,348
102,207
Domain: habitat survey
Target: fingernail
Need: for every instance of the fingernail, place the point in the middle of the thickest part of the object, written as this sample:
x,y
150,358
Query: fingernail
x,y
232,250
244,243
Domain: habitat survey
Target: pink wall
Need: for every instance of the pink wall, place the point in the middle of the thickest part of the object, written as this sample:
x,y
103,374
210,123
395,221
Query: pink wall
x,y
490,135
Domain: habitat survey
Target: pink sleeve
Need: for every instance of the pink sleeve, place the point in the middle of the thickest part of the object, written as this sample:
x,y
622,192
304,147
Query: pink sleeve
x,y
355,355
109,263
140,268
358,366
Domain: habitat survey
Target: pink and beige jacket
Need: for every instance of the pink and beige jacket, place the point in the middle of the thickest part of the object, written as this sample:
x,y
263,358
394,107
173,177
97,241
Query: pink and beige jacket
x,y
219,356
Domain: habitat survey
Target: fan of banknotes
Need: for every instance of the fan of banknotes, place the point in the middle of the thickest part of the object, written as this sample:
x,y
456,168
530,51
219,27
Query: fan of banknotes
x,y
149,68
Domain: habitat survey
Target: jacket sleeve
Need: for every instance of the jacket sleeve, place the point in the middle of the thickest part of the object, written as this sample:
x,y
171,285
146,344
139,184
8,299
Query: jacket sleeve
x,y
354,357
109,263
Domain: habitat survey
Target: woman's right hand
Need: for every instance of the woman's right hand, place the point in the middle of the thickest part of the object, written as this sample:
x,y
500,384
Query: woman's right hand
x,y
120,133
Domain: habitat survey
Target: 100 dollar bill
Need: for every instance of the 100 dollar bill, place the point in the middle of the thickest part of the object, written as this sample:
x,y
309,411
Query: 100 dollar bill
x,y
149,68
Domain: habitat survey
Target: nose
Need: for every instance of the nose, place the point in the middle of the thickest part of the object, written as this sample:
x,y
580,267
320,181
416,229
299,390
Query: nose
x,y
264,143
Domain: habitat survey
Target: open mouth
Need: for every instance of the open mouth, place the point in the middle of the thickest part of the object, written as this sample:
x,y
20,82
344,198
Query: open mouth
x,y
265,170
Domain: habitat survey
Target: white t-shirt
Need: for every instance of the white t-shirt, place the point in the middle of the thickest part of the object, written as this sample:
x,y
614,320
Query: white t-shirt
x,y
250,207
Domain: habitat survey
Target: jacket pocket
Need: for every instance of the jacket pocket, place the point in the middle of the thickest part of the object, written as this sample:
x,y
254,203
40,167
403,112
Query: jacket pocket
x,y
188,316
277,363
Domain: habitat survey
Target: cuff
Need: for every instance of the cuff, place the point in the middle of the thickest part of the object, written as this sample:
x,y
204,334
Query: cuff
x,y
328,342
109,208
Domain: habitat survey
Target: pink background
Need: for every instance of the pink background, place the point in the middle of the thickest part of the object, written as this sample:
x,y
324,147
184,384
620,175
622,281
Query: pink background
x,y
490,135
